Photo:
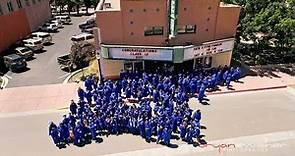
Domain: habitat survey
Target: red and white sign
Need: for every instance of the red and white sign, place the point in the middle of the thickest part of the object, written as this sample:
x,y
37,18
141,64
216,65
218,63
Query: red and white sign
x,y
208,49
141,53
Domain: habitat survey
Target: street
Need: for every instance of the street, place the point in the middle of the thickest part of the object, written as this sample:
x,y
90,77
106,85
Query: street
x,y
256,123
44,69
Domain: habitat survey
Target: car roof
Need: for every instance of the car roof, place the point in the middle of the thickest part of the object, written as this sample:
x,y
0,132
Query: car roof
x,y
21,48
81,35
40,33
32,40
13,56
62,16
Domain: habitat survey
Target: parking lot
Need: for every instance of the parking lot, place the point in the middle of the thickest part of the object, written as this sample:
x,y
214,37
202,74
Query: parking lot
x,y
44,69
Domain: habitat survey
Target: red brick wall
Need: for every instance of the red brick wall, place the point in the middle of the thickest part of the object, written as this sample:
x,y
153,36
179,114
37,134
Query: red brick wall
x,y
13,27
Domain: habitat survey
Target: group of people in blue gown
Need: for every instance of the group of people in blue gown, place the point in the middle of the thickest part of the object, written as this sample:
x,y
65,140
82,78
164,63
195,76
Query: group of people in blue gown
x,y
154,106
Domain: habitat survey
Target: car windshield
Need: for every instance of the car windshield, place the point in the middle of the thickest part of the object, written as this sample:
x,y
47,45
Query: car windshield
x,y
76,39
43,36
37,42
25,50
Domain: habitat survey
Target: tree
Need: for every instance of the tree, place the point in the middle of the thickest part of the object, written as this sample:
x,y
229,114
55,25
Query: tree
x,y
270,24
87,4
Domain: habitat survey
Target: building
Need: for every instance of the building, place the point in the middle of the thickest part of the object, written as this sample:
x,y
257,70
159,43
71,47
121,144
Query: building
x,y
20,17
164,34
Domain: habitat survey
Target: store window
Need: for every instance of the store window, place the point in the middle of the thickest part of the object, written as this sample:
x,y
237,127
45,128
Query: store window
x,y
208,62
156,30
19,4
128,66
187,29
9,6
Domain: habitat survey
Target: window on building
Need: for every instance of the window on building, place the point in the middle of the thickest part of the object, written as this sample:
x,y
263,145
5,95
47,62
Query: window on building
x,y
39,0
34,1
187,29
157,30
9,6
27,2
1,12
19,3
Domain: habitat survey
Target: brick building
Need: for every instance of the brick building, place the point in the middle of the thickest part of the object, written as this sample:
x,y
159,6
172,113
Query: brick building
x,y
20,17
164,34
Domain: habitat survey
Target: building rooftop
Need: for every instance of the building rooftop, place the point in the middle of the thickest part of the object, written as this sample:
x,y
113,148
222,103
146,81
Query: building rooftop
x,y
109,5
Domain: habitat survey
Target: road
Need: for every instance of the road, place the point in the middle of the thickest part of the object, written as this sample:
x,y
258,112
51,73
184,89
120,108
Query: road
x,y
257,123
44,69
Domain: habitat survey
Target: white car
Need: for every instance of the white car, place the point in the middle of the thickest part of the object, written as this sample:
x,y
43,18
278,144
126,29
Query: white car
x,y
24,52
34,44
48,27
64,19
82,38
44,36
57,22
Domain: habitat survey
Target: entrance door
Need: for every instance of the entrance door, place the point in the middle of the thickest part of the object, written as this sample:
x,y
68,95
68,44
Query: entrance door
x,y
133,66
203,62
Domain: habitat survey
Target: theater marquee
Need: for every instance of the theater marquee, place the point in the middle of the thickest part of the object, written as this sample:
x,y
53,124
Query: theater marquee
x,y
137,53
209,48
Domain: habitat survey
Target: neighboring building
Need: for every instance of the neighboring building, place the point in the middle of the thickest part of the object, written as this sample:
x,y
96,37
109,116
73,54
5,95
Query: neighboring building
x,y
164,34
20,17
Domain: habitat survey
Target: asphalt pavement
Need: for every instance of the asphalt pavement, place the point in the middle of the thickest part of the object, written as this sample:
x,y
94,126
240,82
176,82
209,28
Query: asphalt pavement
x,y
44,69
256,123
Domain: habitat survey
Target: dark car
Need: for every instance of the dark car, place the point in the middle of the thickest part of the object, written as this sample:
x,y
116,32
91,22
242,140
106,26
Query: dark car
x,y
88,24
14,62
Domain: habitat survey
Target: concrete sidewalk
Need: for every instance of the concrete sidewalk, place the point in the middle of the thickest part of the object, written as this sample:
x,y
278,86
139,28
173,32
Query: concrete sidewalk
x,y
58,96
253,83
21,99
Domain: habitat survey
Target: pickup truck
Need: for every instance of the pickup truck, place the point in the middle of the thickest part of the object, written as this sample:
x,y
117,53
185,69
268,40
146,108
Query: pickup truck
x,y
65,62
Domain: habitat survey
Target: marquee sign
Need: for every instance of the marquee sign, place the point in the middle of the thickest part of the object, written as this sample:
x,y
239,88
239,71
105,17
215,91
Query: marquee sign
x,y
138,53
208,49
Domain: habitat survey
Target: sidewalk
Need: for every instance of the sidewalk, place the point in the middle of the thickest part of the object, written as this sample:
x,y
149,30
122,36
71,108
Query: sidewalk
x,y
30,98
253,83
58,96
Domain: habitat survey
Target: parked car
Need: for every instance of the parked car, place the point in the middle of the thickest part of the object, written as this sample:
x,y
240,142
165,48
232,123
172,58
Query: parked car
x,y
89,30
90,23
44,36
57,22
82,38
64,19
48,27
14,62
33,44
24,52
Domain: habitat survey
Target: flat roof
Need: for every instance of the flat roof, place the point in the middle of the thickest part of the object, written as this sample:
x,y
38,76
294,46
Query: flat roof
x,y
109,5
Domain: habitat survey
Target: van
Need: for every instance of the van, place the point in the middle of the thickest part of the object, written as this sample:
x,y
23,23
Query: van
x,y
44,36
82,38
64,19
34,44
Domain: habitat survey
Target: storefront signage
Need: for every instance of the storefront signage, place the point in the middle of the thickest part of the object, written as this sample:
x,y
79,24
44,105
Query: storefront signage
x,y
208,49
136,53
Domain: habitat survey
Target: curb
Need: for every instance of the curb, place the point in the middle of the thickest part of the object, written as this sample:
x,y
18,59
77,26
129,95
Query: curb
x,y
4,82
249,90
73,73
